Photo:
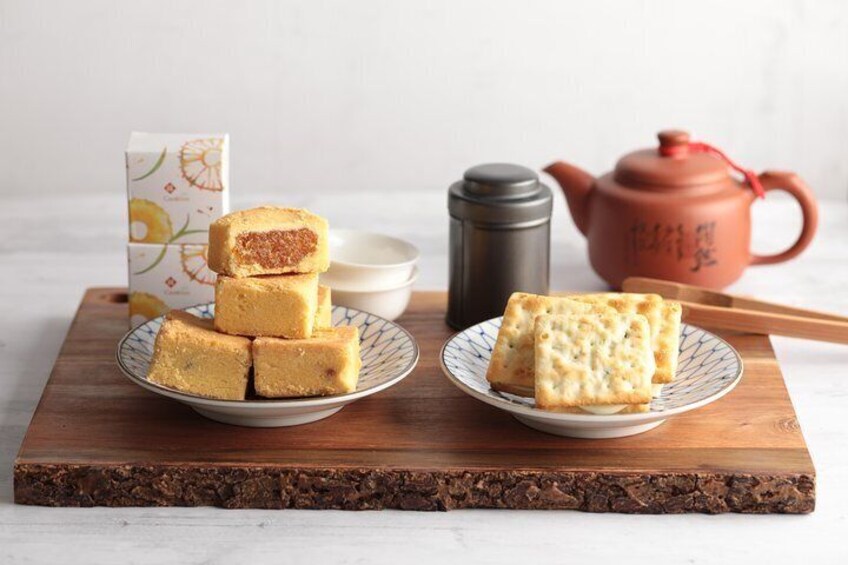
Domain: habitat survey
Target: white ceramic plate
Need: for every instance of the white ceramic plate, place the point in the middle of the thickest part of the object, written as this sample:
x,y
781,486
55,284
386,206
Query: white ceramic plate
x,y
708,369
388,353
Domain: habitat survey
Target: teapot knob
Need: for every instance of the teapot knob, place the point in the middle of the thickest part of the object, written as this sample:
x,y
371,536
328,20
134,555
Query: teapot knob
x,y
673,142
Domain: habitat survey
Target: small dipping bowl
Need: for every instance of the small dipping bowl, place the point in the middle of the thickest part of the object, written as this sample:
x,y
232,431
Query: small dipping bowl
x,y
368,261
388,303
371,272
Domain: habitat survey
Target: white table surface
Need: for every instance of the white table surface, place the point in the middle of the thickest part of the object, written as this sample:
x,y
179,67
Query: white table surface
x,y
52,249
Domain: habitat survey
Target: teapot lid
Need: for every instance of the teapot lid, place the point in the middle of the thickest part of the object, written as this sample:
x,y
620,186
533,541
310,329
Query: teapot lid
x,y
673,164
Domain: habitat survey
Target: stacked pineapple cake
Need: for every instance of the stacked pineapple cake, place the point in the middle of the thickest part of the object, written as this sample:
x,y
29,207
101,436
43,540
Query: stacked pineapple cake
x,y
271,315
598,353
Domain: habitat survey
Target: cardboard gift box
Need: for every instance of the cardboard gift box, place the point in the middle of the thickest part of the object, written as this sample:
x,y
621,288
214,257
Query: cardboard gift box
x,y
177,184
164,277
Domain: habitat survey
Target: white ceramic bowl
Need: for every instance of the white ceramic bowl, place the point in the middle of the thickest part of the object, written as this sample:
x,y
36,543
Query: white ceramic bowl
x,y
388,303
368,261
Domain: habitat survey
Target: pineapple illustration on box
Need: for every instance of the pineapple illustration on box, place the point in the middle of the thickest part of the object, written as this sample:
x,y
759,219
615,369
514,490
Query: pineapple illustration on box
x,y
144,306
177,184
176,180
163,277
200,163
195,264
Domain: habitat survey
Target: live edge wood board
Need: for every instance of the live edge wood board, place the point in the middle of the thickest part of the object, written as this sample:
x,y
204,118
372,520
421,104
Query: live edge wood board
x,y
98,439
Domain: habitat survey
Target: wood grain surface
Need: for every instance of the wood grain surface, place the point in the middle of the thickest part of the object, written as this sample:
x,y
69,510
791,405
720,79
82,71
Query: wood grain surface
x,y
98,439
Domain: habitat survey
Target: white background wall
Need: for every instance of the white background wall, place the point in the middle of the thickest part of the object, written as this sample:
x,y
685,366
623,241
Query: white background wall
x,y
400,95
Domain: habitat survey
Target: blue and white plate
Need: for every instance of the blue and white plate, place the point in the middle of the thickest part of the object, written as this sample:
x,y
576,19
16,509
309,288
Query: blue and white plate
x,y
387,351
708,369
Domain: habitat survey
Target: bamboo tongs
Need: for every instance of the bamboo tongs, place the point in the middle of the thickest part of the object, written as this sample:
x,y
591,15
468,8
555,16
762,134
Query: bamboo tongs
x,y
704,307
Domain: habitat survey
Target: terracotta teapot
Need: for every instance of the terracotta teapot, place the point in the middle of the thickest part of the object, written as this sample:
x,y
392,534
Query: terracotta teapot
x,y
675,212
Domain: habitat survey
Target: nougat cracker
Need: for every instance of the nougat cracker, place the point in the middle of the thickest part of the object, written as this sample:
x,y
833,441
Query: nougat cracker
x,y
592,360
663,317
511,368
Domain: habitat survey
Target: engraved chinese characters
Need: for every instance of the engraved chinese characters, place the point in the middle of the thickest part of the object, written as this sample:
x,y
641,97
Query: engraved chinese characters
x,y
696,247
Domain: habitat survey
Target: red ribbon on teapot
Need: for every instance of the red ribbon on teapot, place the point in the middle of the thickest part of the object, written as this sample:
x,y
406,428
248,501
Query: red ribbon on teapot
x,y
700,147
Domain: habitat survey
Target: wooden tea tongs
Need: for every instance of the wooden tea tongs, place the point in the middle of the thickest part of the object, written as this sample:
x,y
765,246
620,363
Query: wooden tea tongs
x,y
709,308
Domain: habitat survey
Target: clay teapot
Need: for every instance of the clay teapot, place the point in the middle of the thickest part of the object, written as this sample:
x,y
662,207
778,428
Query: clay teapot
x,y
675,212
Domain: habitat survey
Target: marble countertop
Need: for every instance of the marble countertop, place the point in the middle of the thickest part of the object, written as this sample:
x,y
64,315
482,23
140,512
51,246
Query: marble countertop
x,y
52,249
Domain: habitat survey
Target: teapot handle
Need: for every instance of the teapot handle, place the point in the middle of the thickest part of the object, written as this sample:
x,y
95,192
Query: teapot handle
x,y
791,183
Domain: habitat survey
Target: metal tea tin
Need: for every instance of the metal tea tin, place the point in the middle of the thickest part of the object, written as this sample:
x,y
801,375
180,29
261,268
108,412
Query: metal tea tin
x,y
500,240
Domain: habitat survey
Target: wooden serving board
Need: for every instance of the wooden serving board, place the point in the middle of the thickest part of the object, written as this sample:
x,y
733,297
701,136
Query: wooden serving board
x,y
98,439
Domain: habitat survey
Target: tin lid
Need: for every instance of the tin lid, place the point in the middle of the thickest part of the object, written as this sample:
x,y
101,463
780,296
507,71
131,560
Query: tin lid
x,y
500,194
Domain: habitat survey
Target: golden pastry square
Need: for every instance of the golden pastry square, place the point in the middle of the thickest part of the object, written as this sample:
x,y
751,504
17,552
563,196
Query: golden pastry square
x,y
271,306
327,363
324,313
592,360
190,356
511,368
663,317
268,241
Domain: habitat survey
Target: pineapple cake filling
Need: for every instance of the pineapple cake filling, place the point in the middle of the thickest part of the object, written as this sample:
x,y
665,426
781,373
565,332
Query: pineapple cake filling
x,y
276,248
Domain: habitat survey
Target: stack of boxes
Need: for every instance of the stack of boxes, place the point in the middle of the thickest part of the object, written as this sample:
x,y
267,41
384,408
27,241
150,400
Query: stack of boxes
x,y
267,260
177,185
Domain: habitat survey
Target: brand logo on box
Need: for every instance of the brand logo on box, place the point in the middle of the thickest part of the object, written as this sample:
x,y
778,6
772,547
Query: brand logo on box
x,y
170,282
170,188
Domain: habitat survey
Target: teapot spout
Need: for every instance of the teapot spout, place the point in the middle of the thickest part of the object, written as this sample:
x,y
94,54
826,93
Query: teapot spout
x,y
576,184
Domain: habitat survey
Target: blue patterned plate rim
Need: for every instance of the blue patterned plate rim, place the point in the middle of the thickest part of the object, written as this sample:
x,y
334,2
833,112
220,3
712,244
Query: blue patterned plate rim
x,y
271,402
641,417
